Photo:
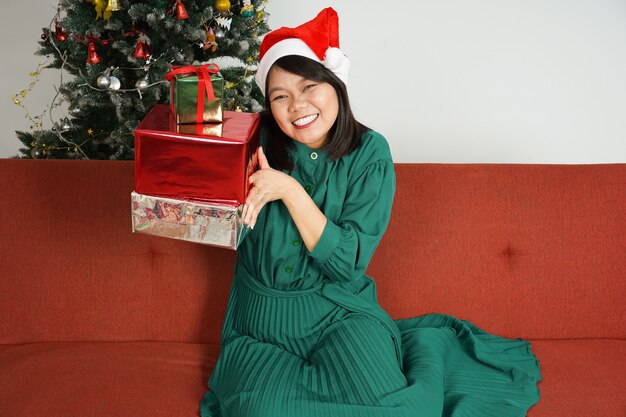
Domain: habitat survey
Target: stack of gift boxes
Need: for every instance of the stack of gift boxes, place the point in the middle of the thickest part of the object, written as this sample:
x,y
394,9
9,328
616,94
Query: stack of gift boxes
x,y
192,162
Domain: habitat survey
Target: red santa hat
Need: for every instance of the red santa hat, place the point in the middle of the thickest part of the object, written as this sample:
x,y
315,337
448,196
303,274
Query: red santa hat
x,y
317,39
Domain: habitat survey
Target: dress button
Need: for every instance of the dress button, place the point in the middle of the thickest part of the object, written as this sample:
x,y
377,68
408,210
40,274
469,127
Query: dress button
x,y
289,269
313,155
308,188
296,242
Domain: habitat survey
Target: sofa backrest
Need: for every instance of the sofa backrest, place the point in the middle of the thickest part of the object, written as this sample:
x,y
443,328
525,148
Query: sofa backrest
x,y
533,251
521,250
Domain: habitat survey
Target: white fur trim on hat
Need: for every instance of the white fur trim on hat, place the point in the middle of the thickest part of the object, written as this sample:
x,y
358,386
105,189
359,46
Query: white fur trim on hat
x,y
334,60
338,63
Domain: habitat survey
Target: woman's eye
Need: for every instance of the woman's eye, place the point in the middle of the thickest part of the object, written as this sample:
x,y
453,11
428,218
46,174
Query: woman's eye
x,y
278,97
309,86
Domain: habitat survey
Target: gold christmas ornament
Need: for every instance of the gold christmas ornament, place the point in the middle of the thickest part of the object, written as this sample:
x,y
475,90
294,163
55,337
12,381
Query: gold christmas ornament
x,y
222,6
113,6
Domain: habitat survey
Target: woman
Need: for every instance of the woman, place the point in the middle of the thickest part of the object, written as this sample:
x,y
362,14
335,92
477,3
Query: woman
x,y
303,333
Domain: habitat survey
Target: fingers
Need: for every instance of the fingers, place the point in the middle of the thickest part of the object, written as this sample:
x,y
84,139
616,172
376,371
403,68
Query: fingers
x,y
255,201
253,206
246,206
257,175
254,213
263,164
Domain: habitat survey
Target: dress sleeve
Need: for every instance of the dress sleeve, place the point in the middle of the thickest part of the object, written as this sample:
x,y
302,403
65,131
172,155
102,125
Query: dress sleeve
x,y
347,245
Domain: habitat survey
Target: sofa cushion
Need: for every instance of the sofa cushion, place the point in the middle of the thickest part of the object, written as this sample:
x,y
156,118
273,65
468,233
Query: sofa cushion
x,y
582,377
104,379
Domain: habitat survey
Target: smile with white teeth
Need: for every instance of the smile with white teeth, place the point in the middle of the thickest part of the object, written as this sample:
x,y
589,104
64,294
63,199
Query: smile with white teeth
x,y
305,120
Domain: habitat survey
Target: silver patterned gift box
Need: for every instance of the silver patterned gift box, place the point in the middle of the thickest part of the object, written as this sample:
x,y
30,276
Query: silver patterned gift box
x,y
209,223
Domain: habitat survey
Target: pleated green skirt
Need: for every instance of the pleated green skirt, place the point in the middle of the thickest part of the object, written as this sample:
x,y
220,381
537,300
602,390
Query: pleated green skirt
x,y
335,352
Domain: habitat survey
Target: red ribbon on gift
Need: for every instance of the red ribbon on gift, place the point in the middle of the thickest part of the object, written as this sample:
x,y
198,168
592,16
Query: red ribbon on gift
x,y
203,72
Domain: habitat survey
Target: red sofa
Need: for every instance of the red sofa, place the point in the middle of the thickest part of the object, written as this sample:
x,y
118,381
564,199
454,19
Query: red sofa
x,y
97,321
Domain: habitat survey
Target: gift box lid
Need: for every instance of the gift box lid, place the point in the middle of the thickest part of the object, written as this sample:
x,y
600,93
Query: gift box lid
x,y
194,166
237,127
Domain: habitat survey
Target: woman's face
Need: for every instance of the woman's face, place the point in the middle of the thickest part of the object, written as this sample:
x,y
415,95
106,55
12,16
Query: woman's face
x,y
305,110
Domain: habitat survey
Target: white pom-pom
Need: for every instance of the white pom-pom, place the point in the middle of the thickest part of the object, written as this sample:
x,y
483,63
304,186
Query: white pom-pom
x,y
338,63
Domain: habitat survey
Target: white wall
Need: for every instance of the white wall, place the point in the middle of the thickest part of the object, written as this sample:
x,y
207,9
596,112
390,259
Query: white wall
x,y
22,22
524,81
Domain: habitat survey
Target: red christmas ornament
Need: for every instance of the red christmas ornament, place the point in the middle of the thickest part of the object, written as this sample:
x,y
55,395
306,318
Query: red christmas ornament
x,y
59,35
141,51
92,55
181,13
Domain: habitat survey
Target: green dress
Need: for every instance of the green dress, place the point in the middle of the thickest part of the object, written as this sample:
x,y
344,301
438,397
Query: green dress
x,y
304,334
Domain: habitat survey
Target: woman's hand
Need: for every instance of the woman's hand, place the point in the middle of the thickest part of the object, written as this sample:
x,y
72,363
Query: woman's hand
x,y
267,184
270,184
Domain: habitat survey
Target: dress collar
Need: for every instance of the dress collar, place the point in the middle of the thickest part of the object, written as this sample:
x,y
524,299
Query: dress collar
x,y
302,151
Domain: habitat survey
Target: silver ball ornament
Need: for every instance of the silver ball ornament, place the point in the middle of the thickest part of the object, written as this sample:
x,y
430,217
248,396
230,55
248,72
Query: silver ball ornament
x,y
103,82
36,153
115,83
65,125
76,111
219,33
142,84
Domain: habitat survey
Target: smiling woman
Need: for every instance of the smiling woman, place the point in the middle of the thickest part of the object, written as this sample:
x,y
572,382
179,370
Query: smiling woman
x,y
301,88
303,333
305,110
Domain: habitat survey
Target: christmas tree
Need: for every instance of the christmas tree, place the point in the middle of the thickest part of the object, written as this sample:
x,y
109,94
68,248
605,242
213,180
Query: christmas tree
x,y
118,52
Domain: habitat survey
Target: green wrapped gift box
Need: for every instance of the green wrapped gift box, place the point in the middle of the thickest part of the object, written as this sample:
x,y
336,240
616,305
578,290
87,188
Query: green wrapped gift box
x,y
196,94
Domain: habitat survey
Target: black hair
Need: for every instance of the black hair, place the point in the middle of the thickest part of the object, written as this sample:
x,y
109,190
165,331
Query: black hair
x,y
344,135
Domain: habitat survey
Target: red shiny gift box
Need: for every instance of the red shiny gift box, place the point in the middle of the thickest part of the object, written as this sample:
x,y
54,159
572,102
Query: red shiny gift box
x,y
188,164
